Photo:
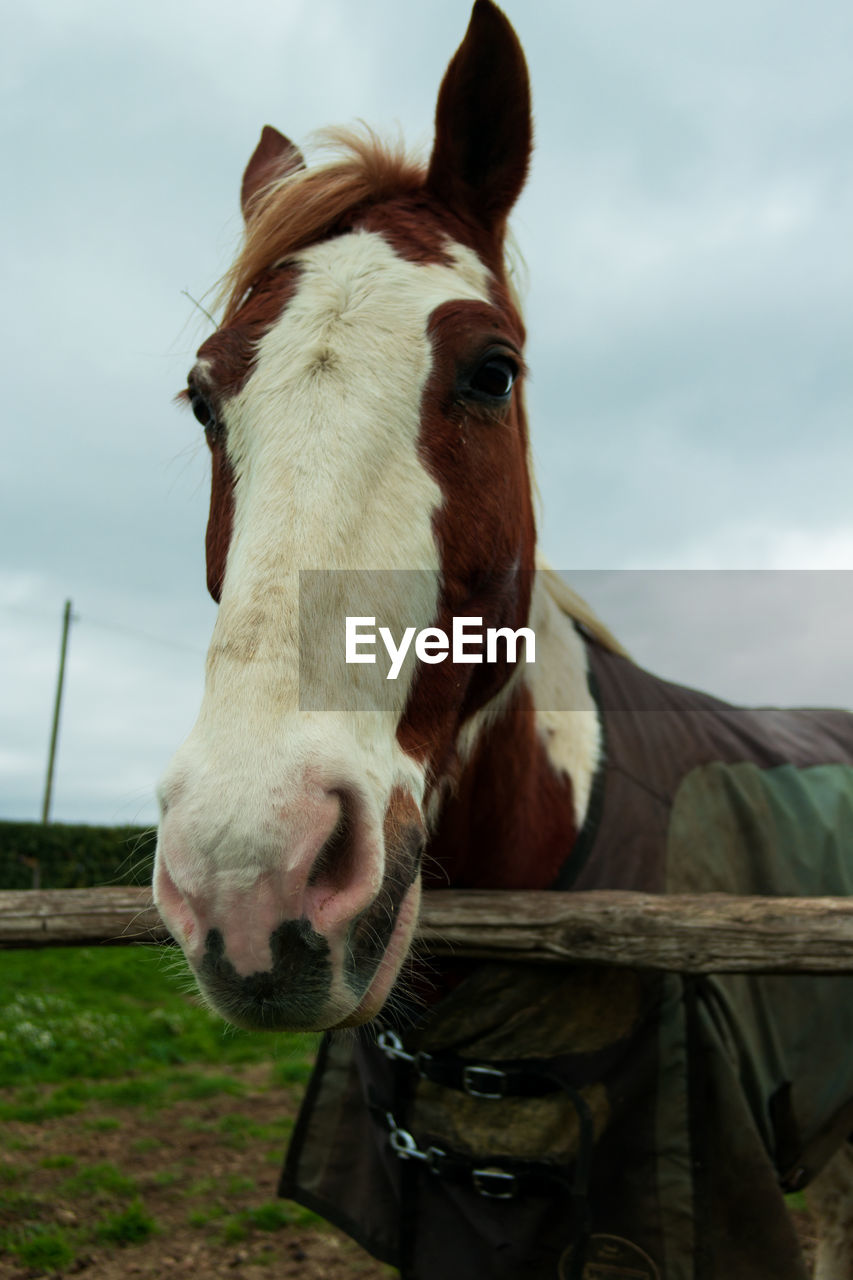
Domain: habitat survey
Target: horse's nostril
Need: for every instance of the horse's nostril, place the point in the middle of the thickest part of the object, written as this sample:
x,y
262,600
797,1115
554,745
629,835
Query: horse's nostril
x,y
335,863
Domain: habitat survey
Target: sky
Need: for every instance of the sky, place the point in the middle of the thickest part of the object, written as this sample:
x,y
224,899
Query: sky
x,y
686,230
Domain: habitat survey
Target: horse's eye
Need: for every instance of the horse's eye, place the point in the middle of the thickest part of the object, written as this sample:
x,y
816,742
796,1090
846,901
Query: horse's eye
x,y
202,410
494,378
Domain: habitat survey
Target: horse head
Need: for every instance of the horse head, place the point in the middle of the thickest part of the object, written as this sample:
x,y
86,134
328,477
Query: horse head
x,y
362,404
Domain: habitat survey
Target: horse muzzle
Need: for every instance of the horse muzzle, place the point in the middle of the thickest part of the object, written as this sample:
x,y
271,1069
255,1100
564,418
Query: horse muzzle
x,y
304,927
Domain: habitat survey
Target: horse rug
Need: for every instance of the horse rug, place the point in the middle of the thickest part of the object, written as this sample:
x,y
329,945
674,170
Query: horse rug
x,y
586,1121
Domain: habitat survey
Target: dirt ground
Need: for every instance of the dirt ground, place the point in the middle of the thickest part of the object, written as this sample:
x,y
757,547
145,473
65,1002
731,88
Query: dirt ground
x,y
198,1183
205,1172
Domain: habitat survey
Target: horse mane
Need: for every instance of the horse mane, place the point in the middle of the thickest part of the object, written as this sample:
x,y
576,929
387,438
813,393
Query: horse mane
x,y
577,608
305,204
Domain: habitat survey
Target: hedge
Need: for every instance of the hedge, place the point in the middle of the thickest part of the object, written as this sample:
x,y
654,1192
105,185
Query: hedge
x,y
62,856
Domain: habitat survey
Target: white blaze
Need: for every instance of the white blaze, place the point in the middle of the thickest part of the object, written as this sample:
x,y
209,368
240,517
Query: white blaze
x,y
323,441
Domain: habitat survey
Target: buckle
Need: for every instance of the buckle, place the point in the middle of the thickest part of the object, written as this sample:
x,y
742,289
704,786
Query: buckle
x,y
476,1081
495,1183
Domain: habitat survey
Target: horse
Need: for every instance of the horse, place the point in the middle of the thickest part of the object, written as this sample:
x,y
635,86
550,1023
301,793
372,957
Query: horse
x,y
362,400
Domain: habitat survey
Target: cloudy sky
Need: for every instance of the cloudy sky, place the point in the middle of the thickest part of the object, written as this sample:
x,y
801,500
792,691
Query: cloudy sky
x,y
687,229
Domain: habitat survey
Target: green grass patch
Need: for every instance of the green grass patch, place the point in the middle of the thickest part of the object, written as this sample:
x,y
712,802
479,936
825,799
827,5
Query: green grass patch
x,y
138,1091
274,1156
61,1161
264,1258
117,1012
192,1124
202,1187
234,1231
270,1217
143,1090
273,1216
236,1125
155,1089
21,1219
296,1068
142,1146
196,1085
35,1112
44,1250
236,1185
132,1226
33,1104
105,1029
99,1180
16,1207
204,1217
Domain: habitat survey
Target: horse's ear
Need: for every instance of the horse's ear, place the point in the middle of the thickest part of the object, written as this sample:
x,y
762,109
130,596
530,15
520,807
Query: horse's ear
x,y
273,158
483,129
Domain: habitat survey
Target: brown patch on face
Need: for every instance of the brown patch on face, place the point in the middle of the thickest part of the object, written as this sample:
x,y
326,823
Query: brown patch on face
x,y
404,844
226,361
419,229
220,519
229,355
510,822
403,829
477,453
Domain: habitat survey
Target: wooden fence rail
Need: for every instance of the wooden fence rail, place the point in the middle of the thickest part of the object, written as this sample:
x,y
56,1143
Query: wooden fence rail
x,y
695,934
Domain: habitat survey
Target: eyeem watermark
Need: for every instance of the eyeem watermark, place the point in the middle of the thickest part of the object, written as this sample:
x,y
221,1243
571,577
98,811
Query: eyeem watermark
x,y
434,645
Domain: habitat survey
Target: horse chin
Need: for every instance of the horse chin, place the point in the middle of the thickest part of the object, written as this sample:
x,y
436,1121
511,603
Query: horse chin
x,y
388,969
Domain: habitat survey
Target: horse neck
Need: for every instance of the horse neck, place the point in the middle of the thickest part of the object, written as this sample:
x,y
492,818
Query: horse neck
x,y
526,769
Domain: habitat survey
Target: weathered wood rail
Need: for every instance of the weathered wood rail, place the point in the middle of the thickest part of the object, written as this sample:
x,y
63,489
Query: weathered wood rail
x,y
695,934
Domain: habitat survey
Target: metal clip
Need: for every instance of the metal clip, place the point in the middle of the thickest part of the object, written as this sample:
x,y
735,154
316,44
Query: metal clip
x,y
402,1141
496,1184
404,1145
392,1046
474,1079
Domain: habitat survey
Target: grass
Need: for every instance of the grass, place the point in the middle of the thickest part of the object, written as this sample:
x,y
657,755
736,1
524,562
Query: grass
x,y
130,1226
141,1146
60,1161
102,1124
45,1250
108,1012
99,1181
116,1025
97,1030
273,1216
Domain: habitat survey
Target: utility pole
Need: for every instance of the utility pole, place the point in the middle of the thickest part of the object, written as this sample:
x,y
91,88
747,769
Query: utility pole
x,y
54,735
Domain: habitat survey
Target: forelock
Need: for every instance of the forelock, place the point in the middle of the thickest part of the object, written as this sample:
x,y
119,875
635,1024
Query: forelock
x,y
308,204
